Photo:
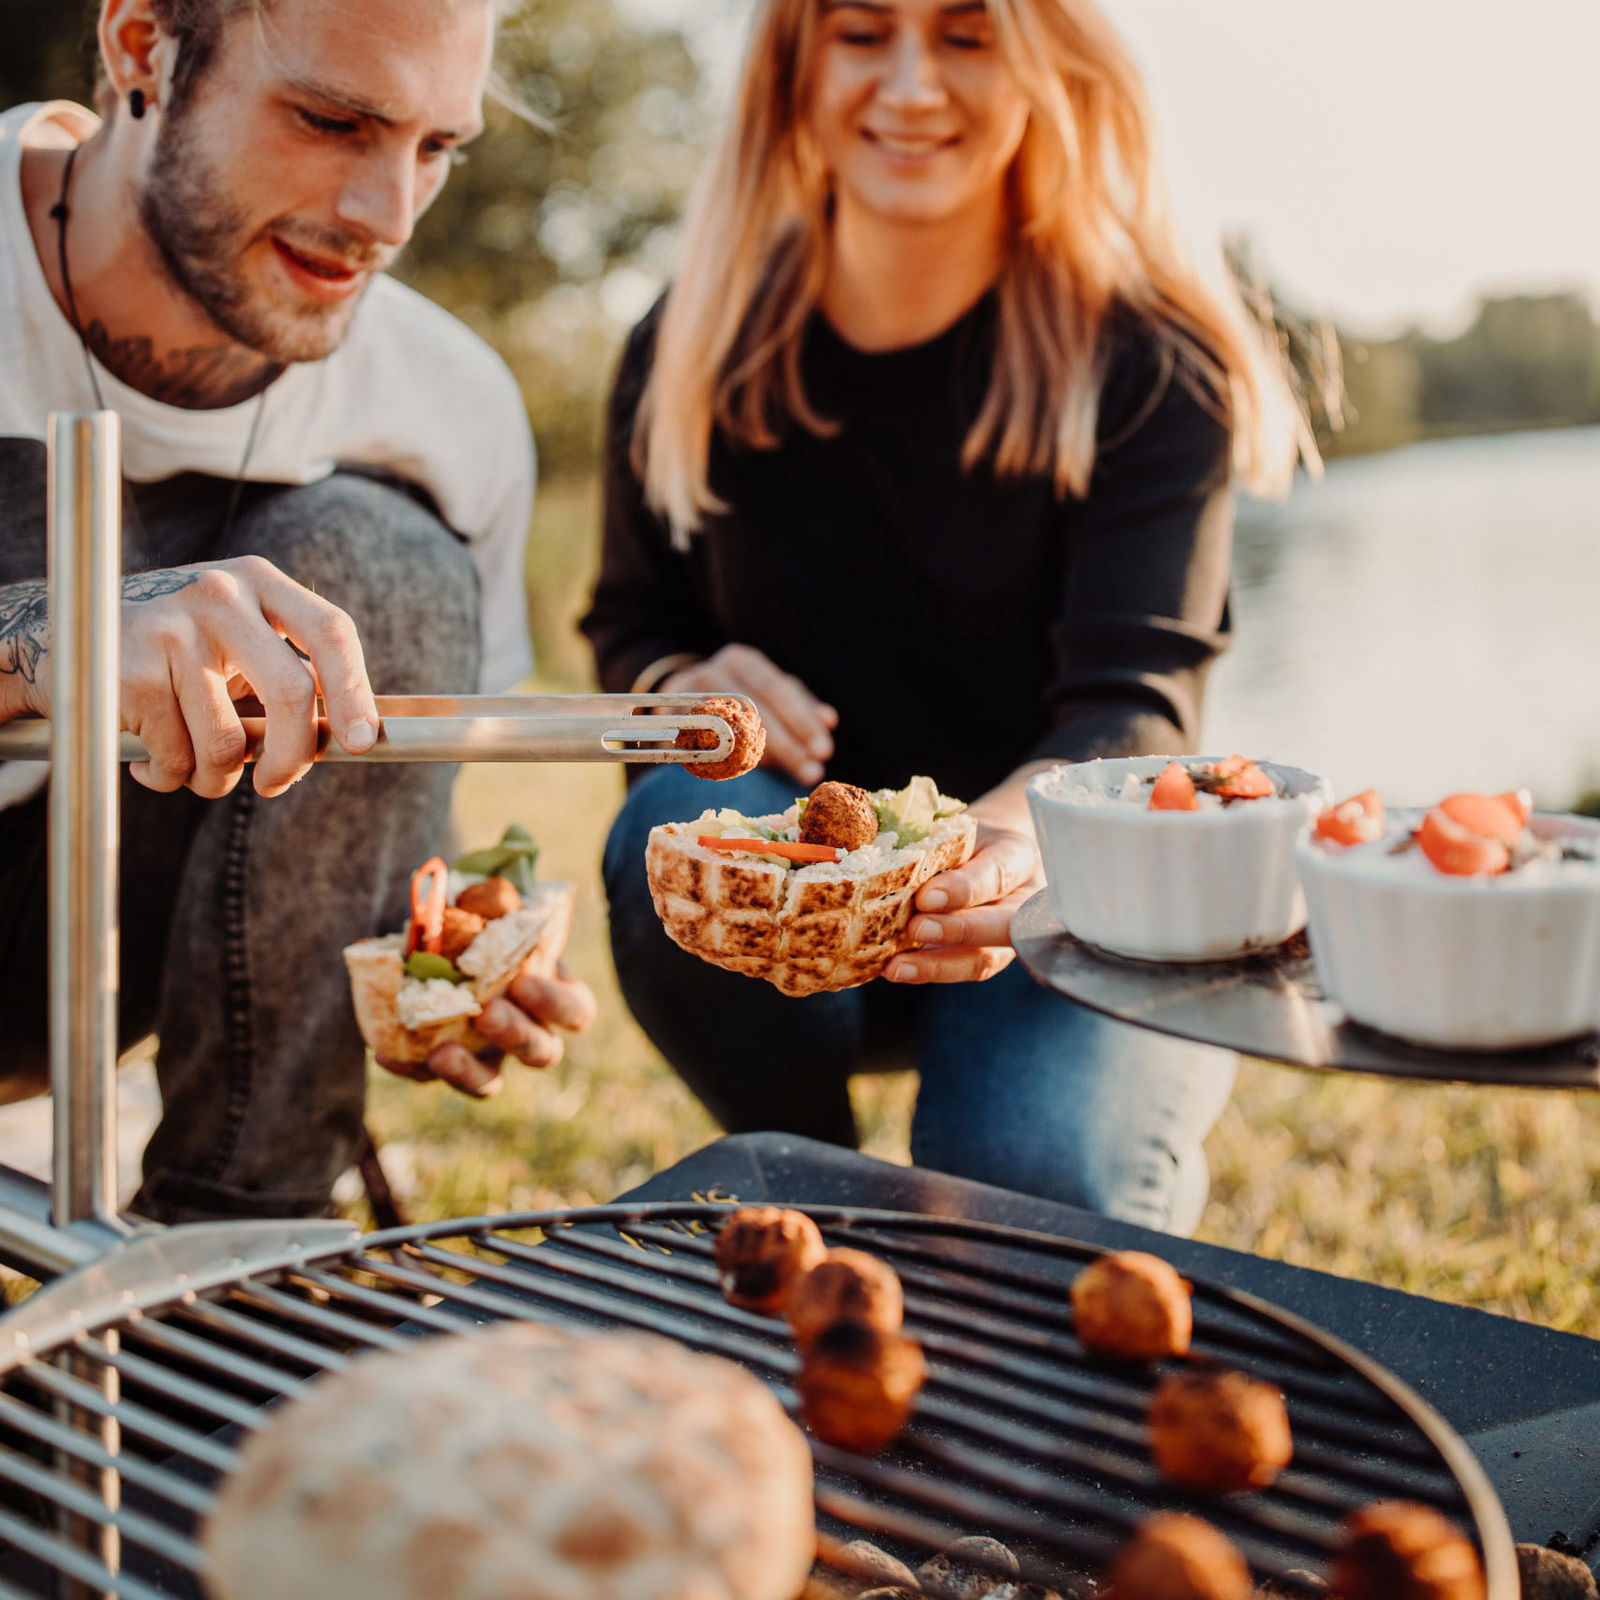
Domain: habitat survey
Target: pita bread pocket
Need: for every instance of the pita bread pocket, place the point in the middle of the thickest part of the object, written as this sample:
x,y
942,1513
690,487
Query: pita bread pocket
x,y
756,895
473,928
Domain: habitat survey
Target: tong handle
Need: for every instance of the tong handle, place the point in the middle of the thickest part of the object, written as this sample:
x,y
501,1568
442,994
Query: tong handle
x,y
418,728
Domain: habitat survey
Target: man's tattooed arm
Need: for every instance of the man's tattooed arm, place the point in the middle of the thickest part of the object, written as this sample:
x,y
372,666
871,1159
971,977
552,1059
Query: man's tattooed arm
x,y
156,585
25,623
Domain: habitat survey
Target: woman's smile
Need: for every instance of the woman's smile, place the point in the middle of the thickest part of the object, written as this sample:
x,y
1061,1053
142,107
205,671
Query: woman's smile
x,y
909,146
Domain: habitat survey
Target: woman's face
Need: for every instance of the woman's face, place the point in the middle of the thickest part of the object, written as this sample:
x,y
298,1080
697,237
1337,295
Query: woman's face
x,y
915,111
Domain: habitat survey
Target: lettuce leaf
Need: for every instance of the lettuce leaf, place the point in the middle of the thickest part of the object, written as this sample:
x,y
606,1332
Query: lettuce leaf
x,y
907,813
421,964
718,823
514,859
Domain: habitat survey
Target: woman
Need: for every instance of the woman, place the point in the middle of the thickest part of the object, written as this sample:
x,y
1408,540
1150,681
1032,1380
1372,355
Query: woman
x,y
928,451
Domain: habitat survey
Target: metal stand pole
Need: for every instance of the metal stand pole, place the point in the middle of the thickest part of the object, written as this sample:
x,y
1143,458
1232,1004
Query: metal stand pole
x,y
85,571
85,555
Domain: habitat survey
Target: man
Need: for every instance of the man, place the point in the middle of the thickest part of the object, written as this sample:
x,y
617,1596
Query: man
x,y
328,488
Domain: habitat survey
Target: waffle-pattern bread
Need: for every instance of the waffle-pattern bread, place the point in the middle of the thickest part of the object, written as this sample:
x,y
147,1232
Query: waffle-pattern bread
x,y
521,1463
806,929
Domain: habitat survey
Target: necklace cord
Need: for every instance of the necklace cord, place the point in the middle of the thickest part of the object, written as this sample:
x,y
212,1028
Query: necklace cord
x,y
59,212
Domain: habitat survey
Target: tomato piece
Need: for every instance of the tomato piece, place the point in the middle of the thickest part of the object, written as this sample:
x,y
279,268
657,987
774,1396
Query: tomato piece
x,y
425,931
1490,816
1521,801
782,848
1174,790
1358,820
1242,780
1456,850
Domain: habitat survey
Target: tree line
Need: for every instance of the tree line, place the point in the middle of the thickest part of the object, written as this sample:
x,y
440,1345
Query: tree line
x,y
1526,361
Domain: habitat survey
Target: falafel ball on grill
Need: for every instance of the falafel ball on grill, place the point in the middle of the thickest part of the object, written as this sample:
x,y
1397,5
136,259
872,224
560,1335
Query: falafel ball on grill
x,y
1173,1556
749,738
1399,1550
858,1385
1132,1305
845,1286
839,814
762,1252
1220,1430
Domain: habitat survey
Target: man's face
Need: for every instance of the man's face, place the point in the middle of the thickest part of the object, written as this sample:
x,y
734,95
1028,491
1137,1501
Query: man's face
x,y
300,161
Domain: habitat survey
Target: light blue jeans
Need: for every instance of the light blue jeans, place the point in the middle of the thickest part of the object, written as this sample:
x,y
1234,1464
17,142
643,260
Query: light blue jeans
x,y
1019,1087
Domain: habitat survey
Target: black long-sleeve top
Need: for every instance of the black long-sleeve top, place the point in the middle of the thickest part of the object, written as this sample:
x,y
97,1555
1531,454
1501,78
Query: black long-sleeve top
x,y
962,625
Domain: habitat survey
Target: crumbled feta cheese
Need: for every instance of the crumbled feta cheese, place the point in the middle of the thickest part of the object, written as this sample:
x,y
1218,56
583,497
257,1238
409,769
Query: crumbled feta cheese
x,y
423,1001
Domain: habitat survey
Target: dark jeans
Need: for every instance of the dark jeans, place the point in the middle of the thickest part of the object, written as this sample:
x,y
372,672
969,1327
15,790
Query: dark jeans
x,y
1019,1087
234,911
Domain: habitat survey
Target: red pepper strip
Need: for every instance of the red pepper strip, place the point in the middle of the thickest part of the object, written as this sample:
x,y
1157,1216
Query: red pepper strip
x,y
774,847
426,931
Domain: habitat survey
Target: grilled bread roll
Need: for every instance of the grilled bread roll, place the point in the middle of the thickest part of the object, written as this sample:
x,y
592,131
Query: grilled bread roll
x,y
520,1463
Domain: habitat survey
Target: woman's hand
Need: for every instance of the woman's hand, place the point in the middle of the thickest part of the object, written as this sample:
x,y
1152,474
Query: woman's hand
x,y
526,1022
963,917
799,725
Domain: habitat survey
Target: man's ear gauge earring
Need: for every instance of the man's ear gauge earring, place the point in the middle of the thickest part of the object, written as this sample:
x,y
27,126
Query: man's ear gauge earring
x,y
136,104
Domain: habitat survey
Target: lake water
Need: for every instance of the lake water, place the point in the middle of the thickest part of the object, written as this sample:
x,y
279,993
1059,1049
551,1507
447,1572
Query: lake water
x,y
1425,621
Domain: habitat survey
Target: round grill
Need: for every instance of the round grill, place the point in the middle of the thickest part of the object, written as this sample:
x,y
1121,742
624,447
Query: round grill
x,y
1018,1435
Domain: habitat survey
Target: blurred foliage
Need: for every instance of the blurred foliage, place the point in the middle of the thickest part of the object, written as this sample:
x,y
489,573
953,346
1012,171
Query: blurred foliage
x,y
552,241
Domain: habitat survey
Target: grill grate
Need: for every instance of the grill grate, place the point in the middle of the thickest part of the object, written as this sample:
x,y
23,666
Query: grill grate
x,y
1017,1434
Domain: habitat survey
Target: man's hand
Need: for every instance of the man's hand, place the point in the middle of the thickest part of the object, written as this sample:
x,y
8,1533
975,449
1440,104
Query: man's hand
x,y
963,917
526,1022
799,726
194,639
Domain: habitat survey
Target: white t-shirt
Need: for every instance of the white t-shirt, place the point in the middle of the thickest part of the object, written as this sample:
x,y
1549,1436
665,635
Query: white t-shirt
x,y
410,391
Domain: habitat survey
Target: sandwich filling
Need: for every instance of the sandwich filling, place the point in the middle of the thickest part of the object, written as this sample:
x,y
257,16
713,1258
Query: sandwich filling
x,y
906,818
468,922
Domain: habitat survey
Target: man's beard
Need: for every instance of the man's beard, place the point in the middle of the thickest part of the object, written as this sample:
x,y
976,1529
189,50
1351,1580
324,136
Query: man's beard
x,y
200,236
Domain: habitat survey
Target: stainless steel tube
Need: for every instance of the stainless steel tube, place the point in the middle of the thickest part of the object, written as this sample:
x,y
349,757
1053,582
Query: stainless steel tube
x,y
84,551
497,735
85,565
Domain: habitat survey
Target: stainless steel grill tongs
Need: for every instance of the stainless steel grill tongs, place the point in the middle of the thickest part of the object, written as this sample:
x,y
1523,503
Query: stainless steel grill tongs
x,y
525,727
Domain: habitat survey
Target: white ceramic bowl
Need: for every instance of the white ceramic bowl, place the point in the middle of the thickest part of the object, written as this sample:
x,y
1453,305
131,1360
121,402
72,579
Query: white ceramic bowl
x,y
1171,885
1457,963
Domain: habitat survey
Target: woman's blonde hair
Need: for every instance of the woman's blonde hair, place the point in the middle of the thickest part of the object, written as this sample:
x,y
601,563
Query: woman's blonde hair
x,y
1089,231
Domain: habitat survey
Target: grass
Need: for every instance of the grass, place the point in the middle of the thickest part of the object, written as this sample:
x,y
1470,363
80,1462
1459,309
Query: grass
x,y
1489,1198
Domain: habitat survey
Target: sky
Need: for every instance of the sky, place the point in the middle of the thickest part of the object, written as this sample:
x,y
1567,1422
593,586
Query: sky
x,y
1392,159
